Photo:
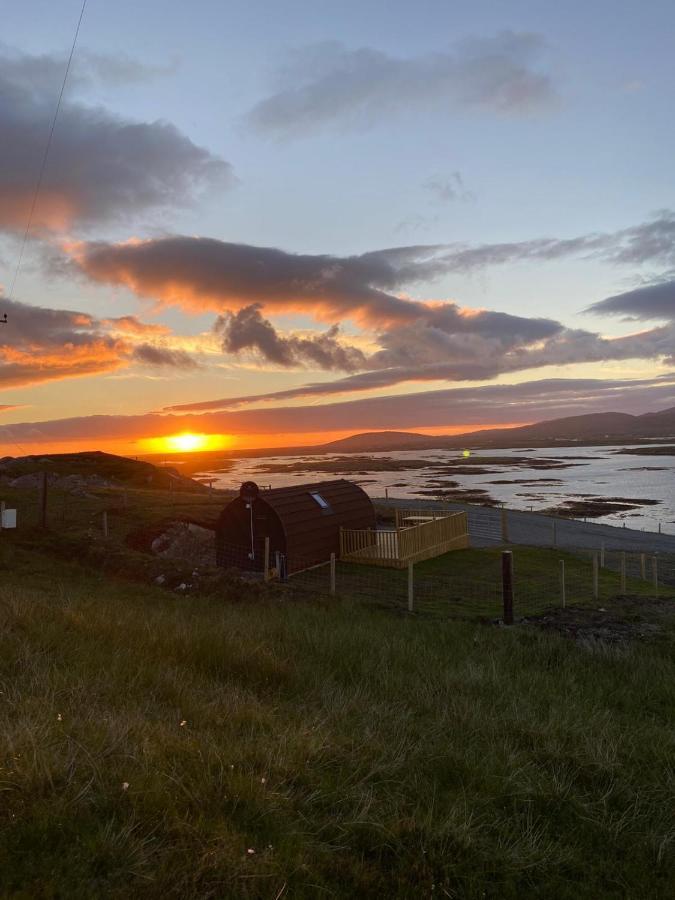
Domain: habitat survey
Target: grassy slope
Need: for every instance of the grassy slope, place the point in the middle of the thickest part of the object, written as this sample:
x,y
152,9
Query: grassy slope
x,y
357,753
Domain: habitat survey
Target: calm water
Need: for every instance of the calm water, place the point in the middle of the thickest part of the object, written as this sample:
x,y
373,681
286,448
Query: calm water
x,y
591,471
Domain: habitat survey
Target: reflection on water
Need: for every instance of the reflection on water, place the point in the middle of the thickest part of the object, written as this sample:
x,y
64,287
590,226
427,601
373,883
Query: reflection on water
x,y
586,472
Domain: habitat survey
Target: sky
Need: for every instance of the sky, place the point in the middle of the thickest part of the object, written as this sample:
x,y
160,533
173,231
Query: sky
x,y
282,223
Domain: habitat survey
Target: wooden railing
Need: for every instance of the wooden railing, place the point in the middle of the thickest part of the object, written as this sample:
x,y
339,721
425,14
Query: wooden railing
x,y
412,543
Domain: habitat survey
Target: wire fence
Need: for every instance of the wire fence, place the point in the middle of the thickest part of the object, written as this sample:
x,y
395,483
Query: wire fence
x,y
575,579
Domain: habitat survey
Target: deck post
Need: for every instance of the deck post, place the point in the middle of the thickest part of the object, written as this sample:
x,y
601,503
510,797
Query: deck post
x,y
596,580
562,582
507,586
623,571
505,526
410,587
266,569
332,573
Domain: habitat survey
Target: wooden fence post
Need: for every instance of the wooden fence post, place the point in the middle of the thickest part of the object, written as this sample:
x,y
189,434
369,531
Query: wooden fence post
x,y
410,587
643,567
602,555
507,586
2,512
655,576
562,582
505,526
596,580
266,569
555,533
332,573
43,500
386,493
105,523
623,571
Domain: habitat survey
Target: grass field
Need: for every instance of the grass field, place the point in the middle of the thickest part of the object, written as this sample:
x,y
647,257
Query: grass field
x,y
156,745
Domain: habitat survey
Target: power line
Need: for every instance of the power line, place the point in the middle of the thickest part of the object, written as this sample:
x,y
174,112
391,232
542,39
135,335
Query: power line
x,y
46,153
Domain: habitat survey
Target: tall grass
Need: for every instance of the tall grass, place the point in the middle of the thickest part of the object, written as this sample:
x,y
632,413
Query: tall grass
x,y
186,747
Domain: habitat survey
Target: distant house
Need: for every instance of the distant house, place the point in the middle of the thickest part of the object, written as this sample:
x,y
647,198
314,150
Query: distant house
x,y
302,523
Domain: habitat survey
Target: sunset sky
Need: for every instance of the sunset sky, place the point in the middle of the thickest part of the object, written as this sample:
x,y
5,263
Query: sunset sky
x,y
284,222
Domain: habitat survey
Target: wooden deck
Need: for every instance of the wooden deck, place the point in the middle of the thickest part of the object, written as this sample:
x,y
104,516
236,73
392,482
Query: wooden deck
x,y
416,537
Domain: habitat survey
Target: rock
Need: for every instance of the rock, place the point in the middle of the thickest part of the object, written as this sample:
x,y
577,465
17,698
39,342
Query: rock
x,y
189,542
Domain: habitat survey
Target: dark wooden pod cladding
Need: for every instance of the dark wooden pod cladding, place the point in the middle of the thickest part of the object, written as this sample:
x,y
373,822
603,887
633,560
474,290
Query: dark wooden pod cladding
x,y
302,522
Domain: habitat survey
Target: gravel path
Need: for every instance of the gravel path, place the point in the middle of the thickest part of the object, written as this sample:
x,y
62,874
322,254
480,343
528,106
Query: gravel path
x,y
537,530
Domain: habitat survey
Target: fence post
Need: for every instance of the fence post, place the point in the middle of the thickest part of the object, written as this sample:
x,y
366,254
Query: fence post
x,y
2,512
386,493
596,580
332,573
105,523
267,559
562,582
505,526
623,571
643,567
555,533
602,555
655,576
43,500
507,586
410,587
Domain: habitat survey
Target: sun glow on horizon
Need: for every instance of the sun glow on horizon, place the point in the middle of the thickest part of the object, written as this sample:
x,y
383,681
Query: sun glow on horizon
x,y
186,442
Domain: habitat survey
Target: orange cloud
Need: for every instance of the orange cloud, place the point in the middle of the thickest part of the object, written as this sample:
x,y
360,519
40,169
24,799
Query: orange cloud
x,y
54,211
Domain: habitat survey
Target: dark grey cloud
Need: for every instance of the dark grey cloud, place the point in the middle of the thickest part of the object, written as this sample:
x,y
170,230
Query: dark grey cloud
x,y
415,340
163,357
489,405
39,344
328,84
248,330
652,301
101,166
204,273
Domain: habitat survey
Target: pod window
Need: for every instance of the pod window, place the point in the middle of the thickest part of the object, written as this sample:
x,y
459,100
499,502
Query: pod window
x,y
320,501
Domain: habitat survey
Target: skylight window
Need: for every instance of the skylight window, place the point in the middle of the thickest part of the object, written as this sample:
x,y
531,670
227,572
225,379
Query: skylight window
x,y
317,498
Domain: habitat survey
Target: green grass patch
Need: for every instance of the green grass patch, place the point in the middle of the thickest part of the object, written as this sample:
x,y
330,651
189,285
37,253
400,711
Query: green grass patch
x,y
187,747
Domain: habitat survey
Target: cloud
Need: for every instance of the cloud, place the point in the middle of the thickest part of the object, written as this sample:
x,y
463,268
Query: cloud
x,y
489,405
448,189
248,330
330,85
133,325
40,344
165,357
198,273
652,301
415,340
101,166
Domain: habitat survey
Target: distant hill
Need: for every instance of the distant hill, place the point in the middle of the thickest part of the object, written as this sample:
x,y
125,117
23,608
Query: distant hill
x,y
107,466
380,440
603,428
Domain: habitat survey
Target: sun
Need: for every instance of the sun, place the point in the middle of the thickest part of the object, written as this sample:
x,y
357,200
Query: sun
x,y
186,442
